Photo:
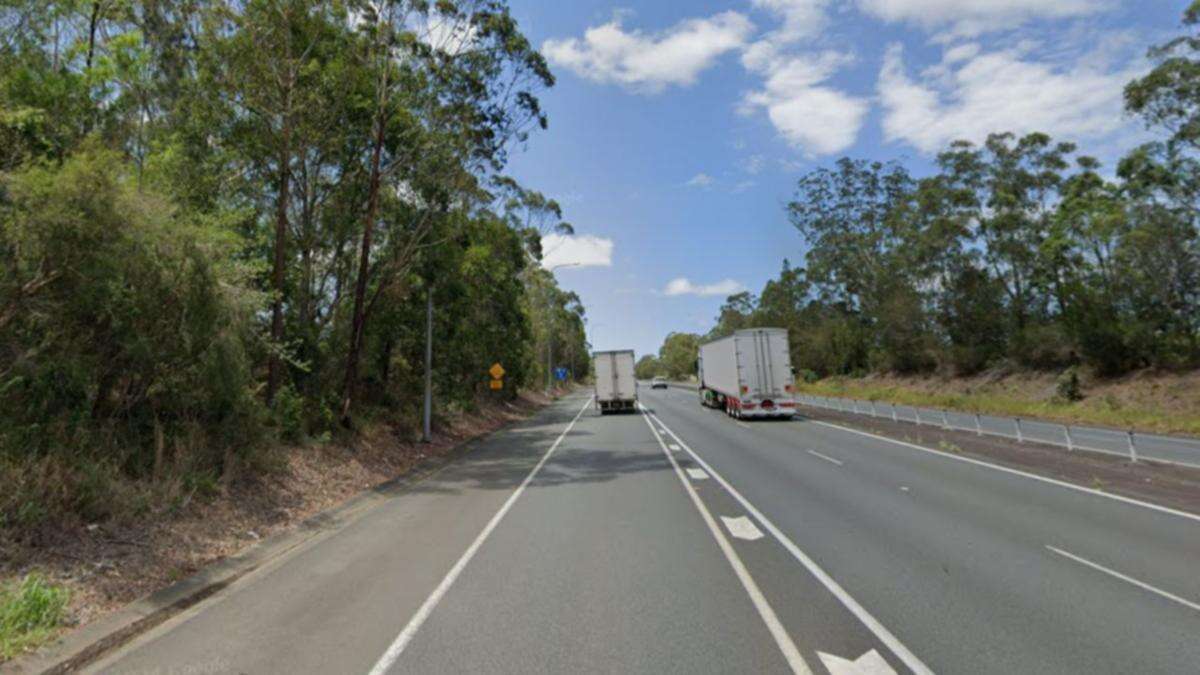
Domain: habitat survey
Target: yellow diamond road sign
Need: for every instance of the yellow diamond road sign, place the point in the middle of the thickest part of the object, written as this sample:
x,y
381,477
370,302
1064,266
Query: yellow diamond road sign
x,y
497,371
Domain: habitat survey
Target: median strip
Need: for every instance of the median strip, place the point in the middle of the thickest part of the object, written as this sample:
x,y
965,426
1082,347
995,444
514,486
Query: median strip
x,y
784,641
872,624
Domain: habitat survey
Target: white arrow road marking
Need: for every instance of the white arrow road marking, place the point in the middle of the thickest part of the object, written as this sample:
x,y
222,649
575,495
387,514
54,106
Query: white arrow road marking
x,y
870,663
784,641
885,636
697,474
742,528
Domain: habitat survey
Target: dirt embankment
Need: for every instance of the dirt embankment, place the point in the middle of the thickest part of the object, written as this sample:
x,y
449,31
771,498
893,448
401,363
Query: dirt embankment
x,y
106,565
1150,401
1165,484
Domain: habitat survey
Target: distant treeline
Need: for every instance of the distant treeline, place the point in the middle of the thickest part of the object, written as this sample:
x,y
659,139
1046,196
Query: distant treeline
x,y
1021,251
220,223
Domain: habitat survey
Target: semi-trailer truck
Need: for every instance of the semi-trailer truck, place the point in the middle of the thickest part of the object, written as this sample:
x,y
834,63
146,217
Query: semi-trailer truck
x,y
616,386
748,374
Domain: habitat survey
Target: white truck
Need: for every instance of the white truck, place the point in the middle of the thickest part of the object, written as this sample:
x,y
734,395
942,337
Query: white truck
x,y
616,386
748,374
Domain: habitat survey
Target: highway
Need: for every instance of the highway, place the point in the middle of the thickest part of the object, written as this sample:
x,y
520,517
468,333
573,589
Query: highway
x,y
679,540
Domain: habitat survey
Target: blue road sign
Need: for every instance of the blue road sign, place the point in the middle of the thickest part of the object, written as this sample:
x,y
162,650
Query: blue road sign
x,y
561,374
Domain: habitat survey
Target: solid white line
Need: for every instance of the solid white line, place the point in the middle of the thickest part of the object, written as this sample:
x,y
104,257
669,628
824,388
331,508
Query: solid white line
x,y
790,653
414,624
1017,472
1113,573
827,458
881,632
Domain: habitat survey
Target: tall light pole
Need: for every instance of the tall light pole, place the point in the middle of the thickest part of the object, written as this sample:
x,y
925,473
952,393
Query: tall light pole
x,y
550,326
427,413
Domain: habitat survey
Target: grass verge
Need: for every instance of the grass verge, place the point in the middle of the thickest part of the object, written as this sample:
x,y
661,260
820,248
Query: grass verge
x,y
31,611
1099,410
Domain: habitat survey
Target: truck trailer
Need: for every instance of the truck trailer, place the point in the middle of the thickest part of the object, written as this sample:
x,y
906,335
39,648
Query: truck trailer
x,y
616,386
748,374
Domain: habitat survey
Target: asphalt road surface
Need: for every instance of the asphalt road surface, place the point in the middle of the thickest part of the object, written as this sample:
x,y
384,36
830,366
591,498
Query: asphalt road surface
x,y
678,540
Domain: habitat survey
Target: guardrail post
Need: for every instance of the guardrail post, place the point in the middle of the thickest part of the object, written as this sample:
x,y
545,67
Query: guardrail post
x,y
978,426
894,413
873,409
918,412
1020,437
1070,441
945,422
1133,456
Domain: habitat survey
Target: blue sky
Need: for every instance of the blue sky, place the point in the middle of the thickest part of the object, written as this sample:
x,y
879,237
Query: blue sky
x,y
678,130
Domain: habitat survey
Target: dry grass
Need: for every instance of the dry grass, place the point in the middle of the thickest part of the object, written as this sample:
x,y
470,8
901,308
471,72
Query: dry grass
x,y
1145,401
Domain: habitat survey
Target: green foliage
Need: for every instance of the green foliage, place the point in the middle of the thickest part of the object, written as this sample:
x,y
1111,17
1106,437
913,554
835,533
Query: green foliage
x,y
1068,385
119,311
678,354
31,610
1006,255
196,195
647,367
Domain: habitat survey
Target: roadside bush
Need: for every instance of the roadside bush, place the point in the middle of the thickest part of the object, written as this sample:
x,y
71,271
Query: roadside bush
x,y
1068,386
125,327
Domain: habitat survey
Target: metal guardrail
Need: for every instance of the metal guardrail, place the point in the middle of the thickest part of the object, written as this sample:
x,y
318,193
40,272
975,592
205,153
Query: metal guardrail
x,y
1130,443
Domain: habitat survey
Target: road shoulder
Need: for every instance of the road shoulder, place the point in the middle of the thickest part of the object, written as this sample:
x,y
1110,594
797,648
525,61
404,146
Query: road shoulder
x,y
104,635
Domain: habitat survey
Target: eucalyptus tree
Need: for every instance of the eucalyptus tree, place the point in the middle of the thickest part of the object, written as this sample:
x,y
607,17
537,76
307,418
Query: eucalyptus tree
x,y
460,75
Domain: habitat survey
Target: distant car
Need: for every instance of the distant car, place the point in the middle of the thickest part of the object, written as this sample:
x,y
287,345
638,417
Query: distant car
x,y
659,382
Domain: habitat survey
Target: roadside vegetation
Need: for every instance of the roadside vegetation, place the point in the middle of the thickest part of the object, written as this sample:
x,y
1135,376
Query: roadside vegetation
x,y
31,610
1023,254
220,225
1160,403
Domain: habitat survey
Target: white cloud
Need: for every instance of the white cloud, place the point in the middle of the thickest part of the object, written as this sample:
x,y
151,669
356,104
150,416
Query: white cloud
x,y
812,116
742,186
969,95
581,250
973,17
682,286
650,62
801,19
700,180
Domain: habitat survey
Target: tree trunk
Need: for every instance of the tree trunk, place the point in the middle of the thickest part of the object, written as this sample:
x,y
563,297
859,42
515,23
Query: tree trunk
x,y
358,320
275,367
